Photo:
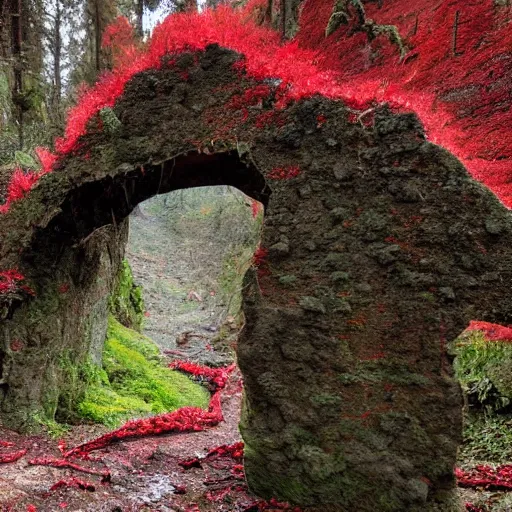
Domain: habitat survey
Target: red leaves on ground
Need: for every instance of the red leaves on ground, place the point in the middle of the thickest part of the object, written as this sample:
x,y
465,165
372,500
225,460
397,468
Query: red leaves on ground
x,y
73,482
491,479
230,459
473,508
6,458
216,376
64,463
186,419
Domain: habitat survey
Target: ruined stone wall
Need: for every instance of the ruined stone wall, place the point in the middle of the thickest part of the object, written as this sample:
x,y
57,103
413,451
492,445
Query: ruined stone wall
x,y
63,327
377,251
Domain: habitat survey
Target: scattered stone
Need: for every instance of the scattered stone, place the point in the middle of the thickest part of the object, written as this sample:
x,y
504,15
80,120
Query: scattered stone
x,y
447,293
312,304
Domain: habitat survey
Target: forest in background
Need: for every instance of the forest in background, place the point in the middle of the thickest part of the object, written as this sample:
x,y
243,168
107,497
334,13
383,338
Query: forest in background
x,y
48,48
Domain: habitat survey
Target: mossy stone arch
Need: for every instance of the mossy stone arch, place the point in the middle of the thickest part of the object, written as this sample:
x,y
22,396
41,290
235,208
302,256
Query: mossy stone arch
x,y
379,251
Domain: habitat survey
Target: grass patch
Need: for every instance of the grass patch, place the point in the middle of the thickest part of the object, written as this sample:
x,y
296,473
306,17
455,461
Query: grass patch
x,y
134,383
484,371
487,438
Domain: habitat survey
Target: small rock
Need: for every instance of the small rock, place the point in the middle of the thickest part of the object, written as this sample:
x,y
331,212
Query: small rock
x,y
305,191
312,304
447,293
493,226
341,172
340,277
280,249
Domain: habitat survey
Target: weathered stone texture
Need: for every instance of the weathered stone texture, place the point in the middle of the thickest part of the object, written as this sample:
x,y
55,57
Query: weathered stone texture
x,y
380,252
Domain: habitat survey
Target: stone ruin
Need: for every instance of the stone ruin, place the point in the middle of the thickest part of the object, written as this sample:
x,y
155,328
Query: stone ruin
x,y
377,250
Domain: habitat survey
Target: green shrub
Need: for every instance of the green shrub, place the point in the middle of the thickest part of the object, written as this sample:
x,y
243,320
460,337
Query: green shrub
x,y
484,370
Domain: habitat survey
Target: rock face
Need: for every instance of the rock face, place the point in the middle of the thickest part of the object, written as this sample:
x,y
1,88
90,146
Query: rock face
x,y
379,250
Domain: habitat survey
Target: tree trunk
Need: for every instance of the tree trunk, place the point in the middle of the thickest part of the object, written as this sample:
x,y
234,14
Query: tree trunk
x,y
97,35
139,11
57,53
16,43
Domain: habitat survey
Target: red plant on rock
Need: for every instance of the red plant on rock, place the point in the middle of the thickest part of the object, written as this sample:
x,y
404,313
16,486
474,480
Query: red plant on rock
x,y
47,159
10,282
20,184
284,173
492,332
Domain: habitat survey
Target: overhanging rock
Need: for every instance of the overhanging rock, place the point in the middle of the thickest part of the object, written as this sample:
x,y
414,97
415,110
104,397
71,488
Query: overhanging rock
x,y
377,251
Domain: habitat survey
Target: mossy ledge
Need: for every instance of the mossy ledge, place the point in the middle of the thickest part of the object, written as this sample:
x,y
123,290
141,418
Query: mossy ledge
x,y
132,383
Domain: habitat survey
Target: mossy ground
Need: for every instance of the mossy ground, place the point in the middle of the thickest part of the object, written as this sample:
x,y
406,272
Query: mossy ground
x,y
133,382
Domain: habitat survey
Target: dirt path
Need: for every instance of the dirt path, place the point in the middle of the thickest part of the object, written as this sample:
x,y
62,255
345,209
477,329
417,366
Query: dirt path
x,y
180,289
145,472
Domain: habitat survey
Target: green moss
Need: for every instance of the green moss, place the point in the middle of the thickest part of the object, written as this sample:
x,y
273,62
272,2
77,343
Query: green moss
x,y
383,371
288,280
126,302
132,383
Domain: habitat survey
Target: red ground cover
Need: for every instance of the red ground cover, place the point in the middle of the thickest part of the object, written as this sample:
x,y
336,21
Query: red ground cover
x,y
456,75
457,79
492,479
492,332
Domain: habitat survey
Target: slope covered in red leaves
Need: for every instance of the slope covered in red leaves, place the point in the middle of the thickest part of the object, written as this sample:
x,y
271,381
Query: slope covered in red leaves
x,y
456,74
458,81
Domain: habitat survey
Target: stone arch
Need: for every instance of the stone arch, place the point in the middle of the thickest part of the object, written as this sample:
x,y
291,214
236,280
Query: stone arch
x,y
379,250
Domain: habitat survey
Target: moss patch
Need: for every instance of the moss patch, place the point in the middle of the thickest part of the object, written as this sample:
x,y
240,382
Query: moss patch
x,y
126,303
134,383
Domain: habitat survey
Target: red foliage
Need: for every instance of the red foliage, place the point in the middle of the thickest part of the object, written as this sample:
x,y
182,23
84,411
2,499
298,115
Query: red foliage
x,y
21,183
492,332
73,482
473,508
284,173
47,159
6,458
17,345
186,419
256,206
250,97
230,458
493,479
119,37
63,463
259,256
461,92
10,282
216,376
